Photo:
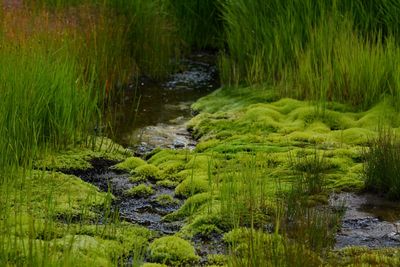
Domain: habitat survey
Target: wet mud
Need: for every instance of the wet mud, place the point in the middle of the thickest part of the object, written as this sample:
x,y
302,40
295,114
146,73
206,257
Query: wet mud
x,y
368,220
143,210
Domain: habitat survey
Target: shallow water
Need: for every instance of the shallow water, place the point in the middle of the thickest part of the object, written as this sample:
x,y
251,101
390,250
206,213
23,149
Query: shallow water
x,y
368,220
157,120
154,114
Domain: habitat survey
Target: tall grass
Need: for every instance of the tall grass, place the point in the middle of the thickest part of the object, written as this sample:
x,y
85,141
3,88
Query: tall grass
x,y
276,225
382,169
119,39
45,102
326,50
199,22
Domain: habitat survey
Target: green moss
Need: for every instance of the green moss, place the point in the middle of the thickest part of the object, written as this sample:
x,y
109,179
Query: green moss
x,y
154,265
129,164
192,204
171,167
165,200
141,190
191,186
79,158
362,256
71,197
147,171
172,250
166,155
167,183
217,259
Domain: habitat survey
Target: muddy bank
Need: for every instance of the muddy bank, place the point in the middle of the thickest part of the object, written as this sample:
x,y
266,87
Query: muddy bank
x,y
368,220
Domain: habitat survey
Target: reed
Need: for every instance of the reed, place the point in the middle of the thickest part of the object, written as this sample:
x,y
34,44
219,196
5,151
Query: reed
x,y
381,169
330,50
199,22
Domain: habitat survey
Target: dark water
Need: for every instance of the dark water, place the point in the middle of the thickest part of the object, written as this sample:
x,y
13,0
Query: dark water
x,y
148,110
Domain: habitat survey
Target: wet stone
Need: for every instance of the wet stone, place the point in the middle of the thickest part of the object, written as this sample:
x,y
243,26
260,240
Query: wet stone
x,y
368,221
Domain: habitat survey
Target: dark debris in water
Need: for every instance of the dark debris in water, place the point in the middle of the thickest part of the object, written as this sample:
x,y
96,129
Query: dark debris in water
x,y
145,211
211,244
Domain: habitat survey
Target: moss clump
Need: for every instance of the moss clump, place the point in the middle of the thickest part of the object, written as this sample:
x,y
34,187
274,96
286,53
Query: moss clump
x,y
205,224
169,168
167,183
147,264
172,250
141,190
191,186
147,171
165,200
79,158
217,259
362,256
129,164
71,197
168,155
192,204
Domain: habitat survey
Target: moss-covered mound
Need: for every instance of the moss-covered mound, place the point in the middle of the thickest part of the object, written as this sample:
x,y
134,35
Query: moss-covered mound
x,y
129,164
172,250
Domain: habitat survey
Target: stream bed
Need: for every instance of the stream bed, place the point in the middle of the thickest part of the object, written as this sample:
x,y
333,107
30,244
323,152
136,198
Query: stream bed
x,y
368,220
154,114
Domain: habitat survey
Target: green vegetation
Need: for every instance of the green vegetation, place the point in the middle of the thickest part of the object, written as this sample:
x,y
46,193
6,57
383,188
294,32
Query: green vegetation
x,y
267,157
382,164
199,22
165,200
172,250
129,164
141,190
331,50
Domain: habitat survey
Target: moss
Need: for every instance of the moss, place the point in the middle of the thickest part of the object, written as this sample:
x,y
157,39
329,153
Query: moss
x,y
171,167
154,265
165,200
217,259
79,158
129,164
147,171
71,197
90,249
191,186
172,250
167,183
362,256
192,204
141,190
208,222
354,136
166,155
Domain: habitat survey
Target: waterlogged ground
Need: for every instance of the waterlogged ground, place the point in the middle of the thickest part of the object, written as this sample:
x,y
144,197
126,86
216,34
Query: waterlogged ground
x,y
257,160
369,221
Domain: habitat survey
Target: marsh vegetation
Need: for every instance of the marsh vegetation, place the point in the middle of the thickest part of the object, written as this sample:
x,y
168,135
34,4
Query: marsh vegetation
x,y
308,108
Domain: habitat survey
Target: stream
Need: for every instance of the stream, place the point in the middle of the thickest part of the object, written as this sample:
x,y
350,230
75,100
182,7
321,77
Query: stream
x,y
154,115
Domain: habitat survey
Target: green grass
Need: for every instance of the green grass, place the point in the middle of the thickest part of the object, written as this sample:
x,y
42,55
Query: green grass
x,y
199,22
381,170
45,102
331,50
